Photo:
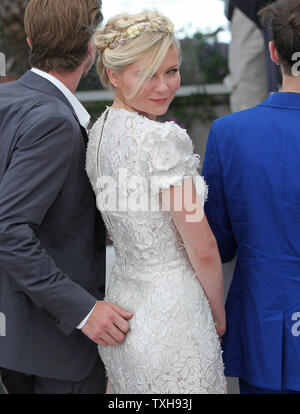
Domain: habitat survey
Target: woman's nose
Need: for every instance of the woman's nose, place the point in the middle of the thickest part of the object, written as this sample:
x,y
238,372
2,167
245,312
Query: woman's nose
x,y
161,85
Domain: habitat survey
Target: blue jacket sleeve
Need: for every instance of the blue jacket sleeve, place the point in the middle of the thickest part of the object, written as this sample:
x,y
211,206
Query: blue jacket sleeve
x,y
216,207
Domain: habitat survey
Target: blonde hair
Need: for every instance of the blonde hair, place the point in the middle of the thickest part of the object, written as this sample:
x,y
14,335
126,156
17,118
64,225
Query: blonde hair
x,y
154,44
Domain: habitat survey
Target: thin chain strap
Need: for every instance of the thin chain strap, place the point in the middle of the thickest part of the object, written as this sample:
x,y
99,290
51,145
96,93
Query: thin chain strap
x,y
104,213
100,139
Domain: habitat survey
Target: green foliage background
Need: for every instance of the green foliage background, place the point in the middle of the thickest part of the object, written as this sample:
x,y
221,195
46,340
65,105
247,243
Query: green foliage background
x,y
204,61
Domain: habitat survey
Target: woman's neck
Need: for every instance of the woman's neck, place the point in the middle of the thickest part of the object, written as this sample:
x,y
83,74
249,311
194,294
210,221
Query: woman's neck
x,y
121,103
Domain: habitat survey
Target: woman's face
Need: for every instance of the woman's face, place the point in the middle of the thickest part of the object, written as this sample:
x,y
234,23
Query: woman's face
x,y
156,94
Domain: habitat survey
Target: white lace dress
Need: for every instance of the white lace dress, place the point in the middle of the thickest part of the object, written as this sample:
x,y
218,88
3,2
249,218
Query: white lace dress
x,y
172,346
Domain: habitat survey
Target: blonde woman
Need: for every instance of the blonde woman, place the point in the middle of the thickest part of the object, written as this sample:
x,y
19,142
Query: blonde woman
x,y
144,173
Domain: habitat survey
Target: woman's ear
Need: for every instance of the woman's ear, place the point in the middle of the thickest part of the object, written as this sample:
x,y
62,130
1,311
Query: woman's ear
x,y
113,77
274,53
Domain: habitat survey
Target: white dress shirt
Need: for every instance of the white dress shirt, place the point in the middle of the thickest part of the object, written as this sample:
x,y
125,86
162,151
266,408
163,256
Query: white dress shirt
x,y
82,115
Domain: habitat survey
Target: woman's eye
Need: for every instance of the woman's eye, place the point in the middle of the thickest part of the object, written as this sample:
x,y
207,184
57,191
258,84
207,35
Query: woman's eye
x,y
172,71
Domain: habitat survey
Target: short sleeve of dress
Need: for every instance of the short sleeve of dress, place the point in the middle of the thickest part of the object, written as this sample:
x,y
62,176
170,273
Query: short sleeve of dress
x,y
167,158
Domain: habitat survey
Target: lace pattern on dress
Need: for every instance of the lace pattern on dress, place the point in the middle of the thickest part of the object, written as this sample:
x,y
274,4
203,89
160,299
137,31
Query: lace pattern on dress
x,y
172,346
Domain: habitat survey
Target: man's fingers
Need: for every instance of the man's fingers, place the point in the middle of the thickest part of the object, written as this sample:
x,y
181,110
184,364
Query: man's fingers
x,y
112,337
122,312
116,334
121,324
107,339
108,324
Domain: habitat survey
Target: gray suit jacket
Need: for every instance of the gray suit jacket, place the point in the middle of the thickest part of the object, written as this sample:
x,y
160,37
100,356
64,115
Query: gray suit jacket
x,y
251,8
52,239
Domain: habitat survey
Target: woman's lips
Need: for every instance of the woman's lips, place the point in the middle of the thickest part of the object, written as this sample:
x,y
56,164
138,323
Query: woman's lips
x,y
160,101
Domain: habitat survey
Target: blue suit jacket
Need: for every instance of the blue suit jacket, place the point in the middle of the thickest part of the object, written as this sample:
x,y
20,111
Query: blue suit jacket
x,y
252,166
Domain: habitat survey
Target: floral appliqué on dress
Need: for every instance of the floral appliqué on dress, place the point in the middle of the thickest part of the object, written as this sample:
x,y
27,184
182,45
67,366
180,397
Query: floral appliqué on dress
x,y
172,346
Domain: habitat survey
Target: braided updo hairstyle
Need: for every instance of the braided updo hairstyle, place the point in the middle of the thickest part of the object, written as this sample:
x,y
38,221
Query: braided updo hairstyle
x,y
116,59
282,18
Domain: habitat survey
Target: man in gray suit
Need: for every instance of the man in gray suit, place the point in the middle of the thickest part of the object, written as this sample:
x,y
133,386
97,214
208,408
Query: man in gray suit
x,y
247,64
250,8
52,239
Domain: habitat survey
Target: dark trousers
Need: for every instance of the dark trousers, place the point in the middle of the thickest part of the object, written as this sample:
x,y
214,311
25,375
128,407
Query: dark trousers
x,y
246,388
19,383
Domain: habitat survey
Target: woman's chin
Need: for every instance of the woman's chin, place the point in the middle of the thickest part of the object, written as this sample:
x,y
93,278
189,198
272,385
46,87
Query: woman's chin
x,y
155,113
162,111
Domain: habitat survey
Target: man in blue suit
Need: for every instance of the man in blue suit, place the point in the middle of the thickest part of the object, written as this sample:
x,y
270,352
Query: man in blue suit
x,y
252,165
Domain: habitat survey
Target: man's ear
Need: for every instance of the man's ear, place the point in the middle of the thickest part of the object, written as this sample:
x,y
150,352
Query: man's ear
x,y
29,43
92,48
274,53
